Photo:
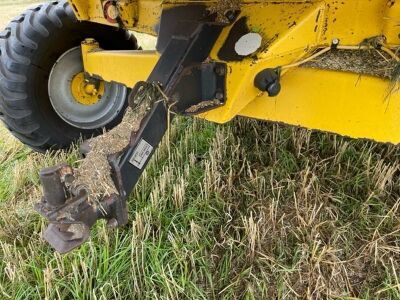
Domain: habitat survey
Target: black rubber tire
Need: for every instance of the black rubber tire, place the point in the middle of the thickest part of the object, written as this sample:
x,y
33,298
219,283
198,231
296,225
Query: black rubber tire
x,y
29,47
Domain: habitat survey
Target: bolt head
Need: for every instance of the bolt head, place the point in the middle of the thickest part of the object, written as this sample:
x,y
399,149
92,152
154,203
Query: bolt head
x,y
230,15
220,70
219,96
90,41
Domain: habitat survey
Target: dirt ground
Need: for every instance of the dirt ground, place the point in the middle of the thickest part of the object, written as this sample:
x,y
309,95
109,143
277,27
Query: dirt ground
x,y
10,9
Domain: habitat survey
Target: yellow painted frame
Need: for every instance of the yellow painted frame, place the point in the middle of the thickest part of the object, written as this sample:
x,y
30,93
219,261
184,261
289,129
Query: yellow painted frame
x,y
331,101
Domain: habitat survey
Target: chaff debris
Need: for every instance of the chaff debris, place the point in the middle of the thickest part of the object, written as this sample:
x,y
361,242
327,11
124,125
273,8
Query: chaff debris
x,y
203,105
363,62
94,171
221,7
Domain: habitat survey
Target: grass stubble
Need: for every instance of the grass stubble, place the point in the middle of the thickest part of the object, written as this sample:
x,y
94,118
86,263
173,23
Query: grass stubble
x,y
247,210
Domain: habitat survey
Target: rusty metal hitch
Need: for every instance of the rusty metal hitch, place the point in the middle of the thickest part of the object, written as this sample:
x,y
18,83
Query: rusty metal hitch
x,y
69,211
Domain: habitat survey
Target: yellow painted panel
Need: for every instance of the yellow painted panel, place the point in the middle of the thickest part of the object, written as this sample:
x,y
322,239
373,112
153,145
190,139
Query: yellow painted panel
x,y
343,103
351,20
288,33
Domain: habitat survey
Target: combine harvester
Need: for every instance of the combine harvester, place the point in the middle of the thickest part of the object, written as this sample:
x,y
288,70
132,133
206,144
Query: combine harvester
x,y
71,69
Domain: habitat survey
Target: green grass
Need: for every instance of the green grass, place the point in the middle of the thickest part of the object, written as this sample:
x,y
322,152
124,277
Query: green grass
x,y
248,210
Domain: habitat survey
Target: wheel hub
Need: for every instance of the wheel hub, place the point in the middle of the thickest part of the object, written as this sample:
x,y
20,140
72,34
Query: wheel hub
x,y
85,103
87,91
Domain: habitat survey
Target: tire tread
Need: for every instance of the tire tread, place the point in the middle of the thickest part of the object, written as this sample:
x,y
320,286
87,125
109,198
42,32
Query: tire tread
x,y
18,41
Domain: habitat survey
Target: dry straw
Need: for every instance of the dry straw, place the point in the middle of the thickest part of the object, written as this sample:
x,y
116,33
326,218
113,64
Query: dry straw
x,y
94,172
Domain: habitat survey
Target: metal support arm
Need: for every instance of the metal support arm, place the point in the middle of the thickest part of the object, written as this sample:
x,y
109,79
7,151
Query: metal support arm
x,y
186,78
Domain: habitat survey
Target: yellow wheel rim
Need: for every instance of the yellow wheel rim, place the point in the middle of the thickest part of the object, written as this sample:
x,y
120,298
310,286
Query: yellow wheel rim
x,y
86,93
83,102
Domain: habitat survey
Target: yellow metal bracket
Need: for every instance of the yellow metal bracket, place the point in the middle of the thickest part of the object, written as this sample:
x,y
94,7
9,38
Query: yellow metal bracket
x,y
126,67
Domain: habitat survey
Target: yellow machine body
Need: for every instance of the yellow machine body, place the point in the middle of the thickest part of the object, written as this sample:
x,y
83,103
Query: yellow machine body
x,y
334,101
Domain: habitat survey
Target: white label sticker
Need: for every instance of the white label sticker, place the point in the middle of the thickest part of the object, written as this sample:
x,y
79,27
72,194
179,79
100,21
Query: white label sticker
x,y
248,44
141,154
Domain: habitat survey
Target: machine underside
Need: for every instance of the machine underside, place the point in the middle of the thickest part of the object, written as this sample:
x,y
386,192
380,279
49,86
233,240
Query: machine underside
x,y
324,65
